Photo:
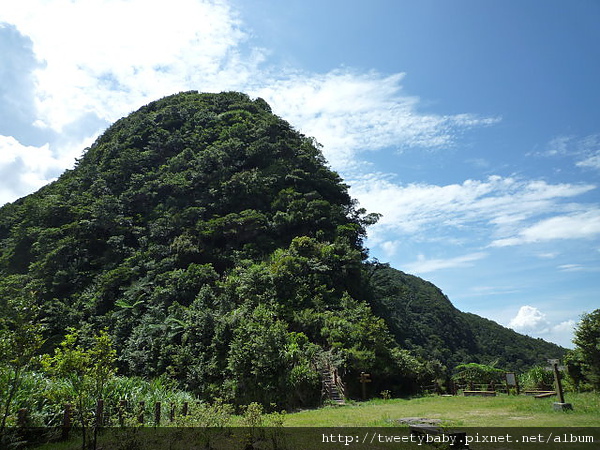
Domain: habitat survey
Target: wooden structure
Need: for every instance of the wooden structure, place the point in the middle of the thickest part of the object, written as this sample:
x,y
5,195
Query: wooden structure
x,y
333,387
479,393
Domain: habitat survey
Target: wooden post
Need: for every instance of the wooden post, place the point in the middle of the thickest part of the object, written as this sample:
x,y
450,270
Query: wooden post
x,y
364,379
100,412
561,405
22,417
141,413
559,389
184,409
66,425
172,412
157,414
122,409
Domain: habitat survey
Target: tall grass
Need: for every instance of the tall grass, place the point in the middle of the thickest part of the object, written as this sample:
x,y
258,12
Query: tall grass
x,y
45,398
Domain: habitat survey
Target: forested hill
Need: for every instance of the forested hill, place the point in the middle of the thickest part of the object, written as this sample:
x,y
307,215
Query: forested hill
x,y
423,319
216,246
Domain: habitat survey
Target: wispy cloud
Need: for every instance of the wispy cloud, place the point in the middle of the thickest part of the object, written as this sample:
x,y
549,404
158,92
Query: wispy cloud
x,y
585,150
424,265
571,267
592,162
502,208
479,291
351,112
580,225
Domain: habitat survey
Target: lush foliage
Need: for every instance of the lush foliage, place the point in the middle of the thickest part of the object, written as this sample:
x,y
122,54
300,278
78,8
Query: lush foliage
x,y
217,249
20,342
478,373
538,378
583,362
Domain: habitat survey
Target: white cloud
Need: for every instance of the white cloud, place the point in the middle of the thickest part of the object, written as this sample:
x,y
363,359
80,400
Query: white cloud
x,y
98,50
479,291
533,322
585,150
424,265
580,225
566,326
497,206
390,248
547,255
23,168
529,319
592,162
578,268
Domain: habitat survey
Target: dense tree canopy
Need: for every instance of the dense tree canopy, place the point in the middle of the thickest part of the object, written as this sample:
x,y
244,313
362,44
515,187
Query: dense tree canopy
x,y
585,358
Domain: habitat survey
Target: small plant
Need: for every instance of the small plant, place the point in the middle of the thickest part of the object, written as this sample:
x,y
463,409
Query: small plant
x,y
262,426
386,395
208,421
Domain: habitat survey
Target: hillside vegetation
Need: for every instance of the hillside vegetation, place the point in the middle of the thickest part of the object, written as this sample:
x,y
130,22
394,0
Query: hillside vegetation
x,y
423,319
216,247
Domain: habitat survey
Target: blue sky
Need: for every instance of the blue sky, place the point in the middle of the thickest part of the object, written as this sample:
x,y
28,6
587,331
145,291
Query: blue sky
x,y
472,126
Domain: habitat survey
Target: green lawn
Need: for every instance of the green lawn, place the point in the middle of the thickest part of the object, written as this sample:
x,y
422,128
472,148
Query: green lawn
x,y
455,412
500,411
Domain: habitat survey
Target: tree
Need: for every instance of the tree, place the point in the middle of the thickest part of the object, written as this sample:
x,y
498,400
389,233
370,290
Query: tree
x,y
587,340
87,369
20,340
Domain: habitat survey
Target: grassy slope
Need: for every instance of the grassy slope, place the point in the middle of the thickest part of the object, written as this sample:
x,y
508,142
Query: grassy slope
x,y
505,411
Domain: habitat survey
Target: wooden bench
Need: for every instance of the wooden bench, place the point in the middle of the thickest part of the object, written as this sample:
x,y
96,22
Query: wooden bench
x,y
536,392
459,438
481,393
545,394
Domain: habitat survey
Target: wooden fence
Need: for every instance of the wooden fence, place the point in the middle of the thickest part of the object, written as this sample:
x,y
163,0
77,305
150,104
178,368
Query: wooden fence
x,y
105,416
453,388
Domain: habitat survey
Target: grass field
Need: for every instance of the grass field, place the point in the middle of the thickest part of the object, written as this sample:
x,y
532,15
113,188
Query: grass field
x,y
500,411
366,420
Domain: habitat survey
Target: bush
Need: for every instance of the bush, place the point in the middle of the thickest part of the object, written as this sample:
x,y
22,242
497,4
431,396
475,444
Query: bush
x,y
537,378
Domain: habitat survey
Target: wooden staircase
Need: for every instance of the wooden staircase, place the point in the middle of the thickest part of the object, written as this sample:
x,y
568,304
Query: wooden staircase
x,y
333,388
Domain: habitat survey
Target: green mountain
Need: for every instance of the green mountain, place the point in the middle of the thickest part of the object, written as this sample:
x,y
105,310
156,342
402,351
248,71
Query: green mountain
x,y
423,319
216,246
